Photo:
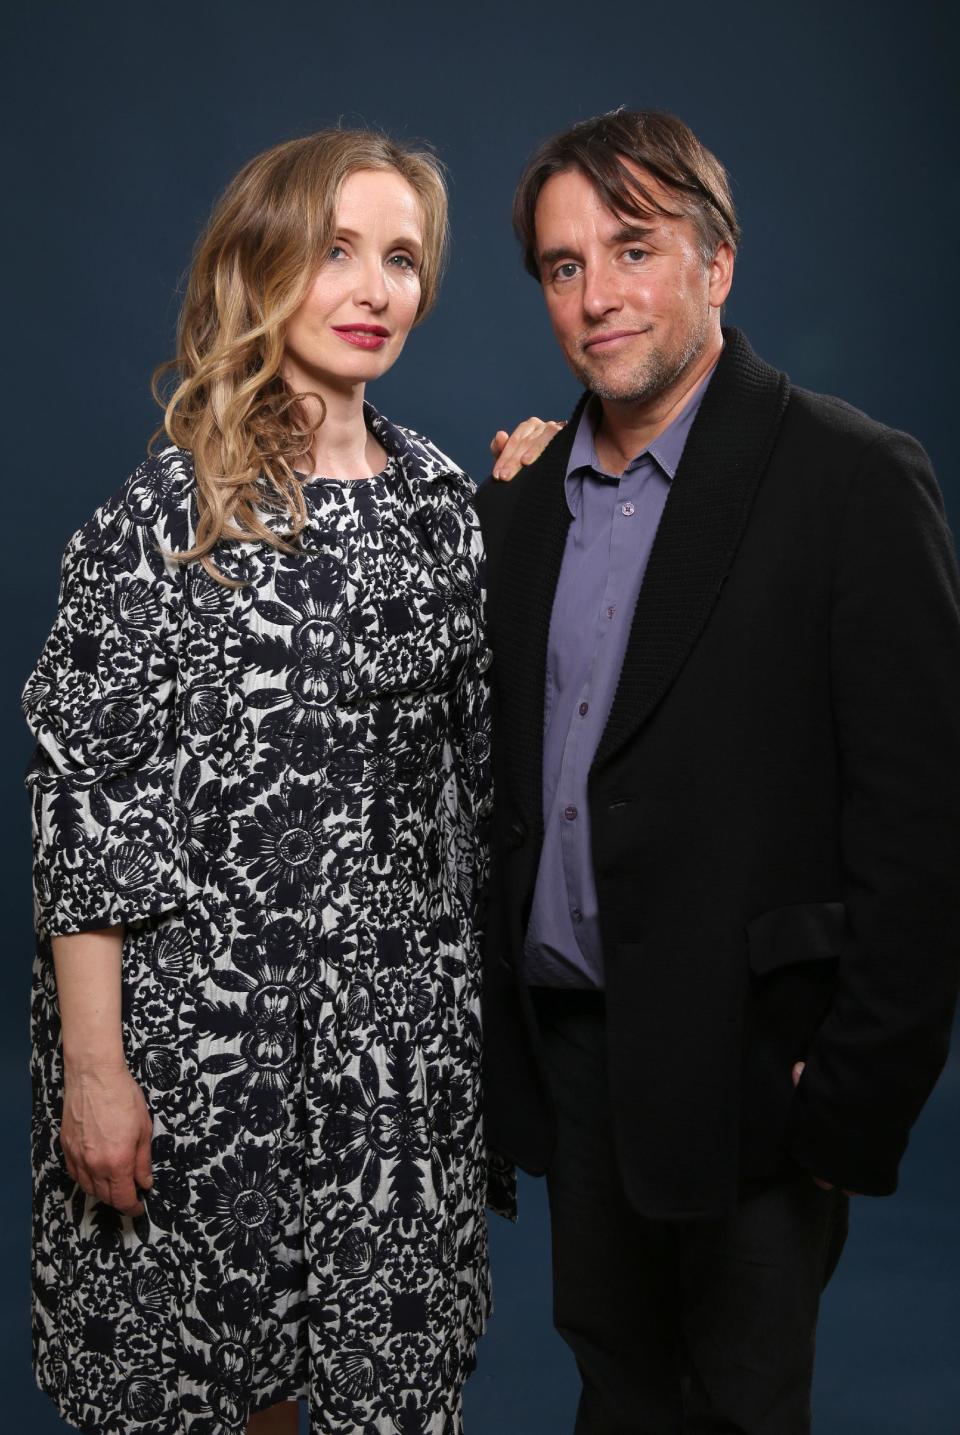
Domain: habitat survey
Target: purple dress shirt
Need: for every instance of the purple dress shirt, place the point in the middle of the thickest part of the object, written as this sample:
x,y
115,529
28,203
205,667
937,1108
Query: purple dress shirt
x,y
614,522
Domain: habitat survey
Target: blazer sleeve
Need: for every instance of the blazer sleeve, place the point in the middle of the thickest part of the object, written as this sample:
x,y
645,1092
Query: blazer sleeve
x,y
100,704
895,672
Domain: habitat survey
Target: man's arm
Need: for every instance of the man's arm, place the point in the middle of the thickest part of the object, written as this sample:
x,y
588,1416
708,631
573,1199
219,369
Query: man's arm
x,y
895,669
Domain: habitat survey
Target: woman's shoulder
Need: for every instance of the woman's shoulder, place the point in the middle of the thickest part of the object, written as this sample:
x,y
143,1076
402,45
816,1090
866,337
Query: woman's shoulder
x,y
155,499
420,456
432,459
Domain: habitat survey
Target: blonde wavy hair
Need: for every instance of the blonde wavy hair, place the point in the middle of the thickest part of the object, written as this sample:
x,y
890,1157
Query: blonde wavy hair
x,y
224,395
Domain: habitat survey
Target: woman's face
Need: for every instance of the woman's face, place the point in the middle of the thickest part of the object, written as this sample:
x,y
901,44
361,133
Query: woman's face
x,y
363,300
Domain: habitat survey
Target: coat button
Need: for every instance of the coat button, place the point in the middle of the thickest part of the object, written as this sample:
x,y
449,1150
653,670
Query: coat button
x,y
484,660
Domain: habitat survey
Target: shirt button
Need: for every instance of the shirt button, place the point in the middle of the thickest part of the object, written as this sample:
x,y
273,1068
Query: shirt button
x,y
570,813
583,709
627,509
610,612
577,915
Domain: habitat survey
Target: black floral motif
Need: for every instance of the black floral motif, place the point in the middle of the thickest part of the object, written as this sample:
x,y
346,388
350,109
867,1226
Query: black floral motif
x,y
238,1200
272,788
280,846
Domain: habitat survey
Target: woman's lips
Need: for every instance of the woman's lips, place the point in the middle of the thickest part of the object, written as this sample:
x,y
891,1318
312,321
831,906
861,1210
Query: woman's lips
x,y
363,336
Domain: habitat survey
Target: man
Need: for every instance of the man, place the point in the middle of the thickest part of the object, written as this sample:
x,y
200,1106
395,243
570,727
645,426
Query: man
x,y
724,917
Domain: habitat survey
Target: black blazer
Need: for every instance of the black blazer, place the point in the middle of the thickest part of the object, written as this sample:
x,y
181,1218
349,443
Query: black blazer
x,y
775,802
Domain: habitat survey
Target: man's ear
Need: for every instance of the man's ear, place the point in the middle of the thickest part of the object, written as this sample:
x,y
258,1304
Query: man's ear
x,y
721,275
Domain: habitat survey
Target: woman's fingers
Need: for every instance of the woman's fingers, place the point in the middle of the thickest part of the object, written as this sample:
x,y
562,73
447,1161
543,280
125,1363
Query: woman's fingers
x,y
498,441
143,1167
120,1191
115,1187
106,1136
82,1177
525,444
510,461
539,440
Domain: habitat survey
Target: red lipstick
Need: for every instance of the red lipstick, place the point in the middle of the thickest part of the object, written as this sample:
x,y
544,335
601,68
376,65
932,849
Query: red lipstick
x,y
363,336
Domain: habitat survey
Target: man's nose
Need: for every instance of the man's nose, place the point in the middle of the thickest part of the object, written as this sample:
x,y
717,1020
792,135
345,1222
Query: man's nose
x,y
600,294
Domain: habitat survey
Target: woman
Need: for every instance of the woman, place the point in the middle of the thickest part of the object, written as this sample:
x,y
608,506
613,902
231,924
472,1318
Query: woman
x,y
261,765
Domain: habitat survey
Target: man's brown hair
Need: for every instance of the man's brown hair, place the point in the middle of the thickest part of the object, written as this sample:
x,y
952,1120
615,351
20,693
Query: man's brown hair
x,y
661,145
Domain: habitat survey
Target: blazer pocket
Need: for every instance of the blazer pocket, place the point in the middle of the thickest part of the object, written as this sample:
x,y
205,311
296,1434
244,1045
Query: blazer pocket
x,y
788,936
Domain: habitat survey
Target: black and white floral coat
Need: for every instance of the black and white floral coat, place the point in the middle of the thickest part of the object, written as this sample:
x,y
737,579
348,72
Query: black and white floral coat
x,y
278,790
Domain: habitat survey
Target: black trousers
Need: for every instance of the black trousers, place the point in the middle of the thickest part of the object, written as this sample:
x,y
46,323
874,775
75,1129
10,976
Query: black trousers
x,y
678,1327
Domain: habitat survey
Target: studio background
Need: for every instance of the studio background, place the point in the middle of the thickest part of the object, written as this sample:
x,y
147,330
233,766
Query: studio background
x,y
838,125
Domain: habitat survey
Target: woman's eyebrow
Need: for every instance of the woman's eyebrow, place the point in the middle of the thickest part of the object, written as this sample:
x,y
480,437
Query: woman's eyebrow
x,y
409,240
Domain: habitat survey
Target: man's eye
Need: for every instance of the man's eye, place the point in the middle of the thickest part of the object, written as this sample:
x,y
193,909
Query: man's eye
x,y
636,255
565,271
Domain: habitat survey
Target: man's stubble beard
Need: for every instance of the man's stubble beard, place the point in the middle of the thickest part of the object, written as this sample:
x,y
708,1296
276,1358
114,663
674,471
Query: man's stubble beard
x,y
658,373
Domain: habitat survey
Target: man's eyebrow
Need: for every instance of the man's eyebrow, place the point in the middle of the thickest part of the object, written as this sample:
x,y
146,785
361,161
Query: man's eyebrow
x,y
623,235
633,231
561,251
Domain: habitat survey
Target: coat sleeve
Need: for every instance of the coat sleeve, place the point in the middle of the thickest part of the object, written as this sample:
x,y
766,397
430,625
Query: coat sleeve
x,y
470,742
471,750
895,672
100,704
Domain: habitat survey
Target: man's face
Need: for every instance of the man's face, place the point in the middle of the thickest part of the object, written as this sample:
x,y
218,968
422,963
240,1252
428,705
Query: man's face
x,y
633,303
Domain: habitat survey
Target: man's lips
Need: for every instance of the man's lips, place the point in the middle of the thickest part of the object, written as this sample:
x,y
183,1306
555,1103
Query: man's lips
x,y
609,337
363,336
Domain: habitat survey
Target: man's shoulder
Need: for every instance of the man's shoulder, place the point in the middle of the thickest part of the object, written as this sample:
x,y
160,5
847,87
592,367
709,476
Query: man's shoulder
x,y
849,446
833,418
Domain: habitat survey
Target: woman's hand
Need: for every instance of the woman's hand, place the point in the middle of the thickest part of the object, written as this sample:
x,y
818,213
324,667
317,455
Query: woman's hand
x,y
106,1127
105,1134
526,443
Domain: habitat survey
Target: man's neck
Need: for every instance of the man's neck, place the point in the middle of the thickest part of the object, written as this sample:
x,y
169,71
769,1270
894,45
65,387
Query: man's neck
x,y
627,429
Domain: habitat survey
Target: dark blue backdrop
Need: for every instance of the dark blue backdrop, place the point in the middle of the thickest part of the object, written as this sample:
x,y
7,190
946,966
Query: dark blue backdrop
x,y
838,124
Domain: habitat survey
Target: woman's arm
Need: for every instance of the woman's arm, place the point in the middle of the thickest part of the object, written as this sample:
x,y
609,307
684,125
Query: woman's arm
x,y
106,1128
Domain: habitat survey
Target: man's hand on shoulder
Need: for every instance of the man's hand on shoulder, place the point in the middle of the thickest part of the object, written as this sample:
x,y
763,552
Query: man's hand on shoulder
x,y
527,442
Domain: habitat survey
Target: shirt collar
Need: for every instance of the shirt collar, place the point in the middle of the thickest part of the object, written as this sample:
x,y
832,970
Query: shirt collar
x,y
666,449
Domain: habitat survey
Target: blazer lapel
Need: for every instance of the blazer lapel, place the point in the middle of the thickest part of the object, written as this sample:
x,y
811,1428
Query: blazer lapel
x,y
520,620
704,518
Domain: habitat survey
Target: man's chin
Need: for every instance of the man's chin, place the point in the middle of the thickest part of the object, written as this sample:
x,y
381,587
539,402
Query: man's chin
x,y
639,385
619,389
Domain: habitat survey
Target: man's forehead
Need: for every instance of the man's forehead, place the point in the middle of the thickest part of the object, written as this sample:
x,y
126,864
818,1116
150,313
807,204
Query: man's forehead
x,y
573,193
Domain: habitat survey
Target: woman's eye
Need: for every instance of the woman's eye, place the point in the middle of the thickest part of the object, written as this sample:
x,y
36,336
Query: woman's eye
x,y
402,261
337,252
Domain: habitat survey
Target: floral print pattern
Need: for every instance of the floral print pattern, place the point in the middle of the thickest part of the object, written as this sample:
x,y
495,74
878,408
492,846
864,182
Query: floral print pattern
x,y
278,789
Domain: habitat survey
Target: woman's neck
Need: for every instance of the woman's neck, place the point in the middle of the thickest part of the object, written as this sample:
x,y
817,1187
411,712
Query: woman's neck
x,y
343,446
